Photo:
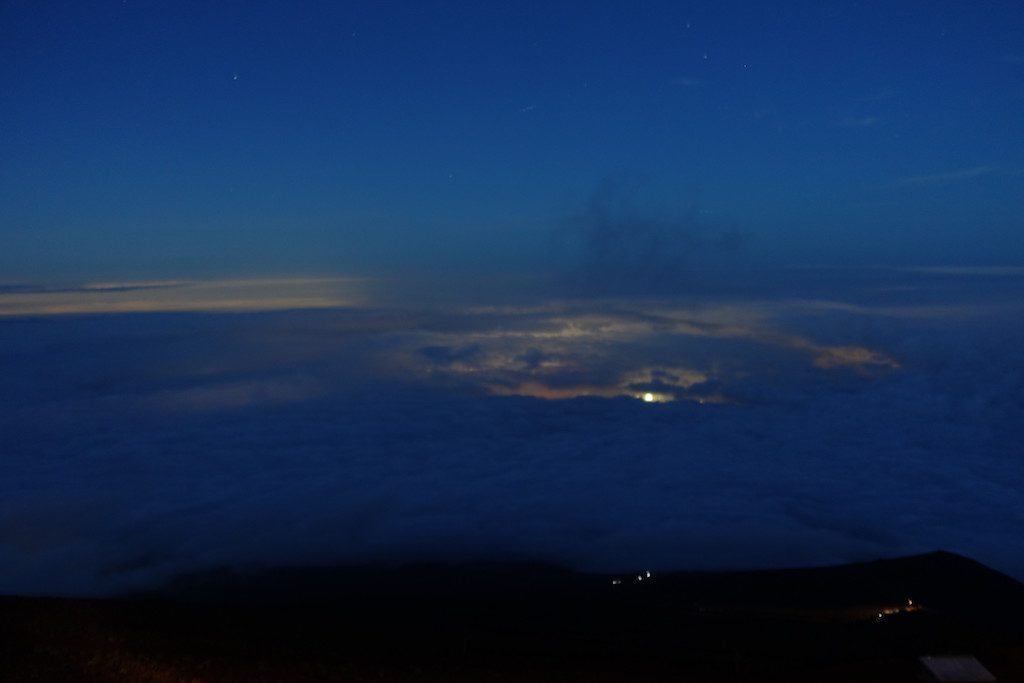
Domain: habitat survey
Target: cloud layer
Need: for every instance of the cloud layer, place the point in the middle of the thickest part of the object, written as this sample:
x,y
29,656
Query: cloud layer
x,y
136,447
184,295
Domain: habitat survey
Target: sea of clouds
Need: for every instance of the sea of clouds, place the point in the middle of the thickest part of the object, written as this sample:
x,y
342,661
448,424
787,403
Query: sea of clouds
x,y
879,415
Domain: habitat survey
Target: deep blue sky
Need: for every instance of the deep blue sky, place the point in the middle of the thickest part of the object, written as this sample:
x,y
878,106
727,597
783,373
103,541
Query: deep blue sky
x,y
198,139
664,160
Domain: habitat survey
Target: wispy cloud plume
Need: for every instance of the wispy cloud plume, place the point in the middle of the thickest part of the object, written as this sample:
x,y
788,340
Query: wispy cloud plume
x,y
261,294
624,246
934,179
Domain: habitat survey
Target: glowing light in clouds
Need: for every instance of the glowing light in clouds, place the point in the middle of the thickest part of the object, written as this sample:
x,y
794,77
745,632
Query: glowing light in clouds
x,y
653,354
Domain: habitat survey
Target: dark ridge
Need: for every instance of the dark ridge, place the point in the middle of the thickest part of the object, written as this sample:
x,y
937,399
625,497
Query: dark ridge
x,y
515,621
941,579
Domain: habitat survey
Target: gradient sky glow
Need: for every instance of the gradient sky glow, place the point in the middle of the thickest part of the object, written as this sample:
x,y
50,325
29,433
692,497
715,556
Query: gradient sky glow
x,y
289,283
222,139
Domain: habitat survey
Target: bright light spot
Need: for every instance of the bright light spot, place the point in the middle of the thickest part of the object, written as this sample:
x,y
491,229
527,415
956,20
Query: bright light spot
x,y
639,577
648,574
910,603
616,582
654,397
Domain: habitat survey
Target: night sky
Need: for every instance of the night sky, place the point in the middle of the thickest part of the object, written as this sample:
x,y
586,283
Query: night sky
x,y
223,138
611,285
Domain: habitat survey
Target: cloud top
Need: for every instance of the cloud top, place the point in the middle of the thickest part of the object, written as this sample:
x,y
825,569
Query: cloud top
x,y
137,447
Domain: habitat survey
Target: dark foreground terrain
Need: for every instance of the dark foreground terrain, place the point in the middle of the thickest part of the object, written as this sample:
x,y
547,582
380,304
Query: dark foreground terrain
x,y
528,623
